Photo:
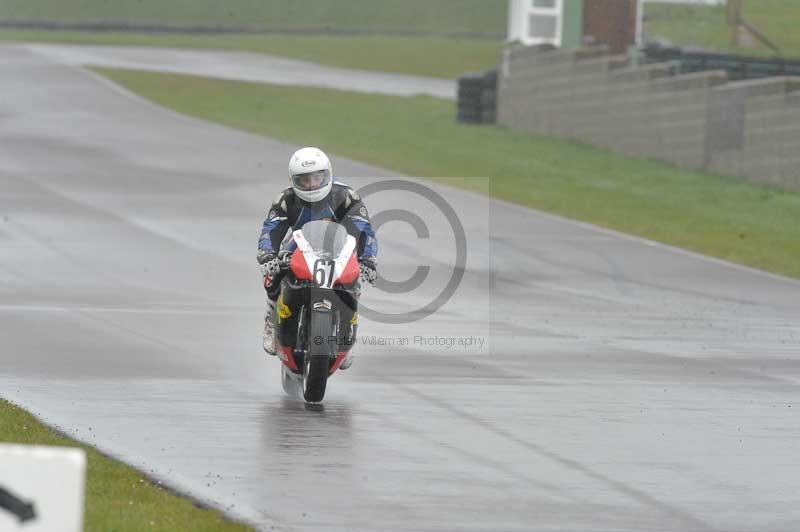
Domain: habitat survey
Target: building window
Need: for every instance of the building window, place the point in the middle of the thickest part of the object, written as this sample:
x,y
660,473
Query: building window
x,y
543,27
544,22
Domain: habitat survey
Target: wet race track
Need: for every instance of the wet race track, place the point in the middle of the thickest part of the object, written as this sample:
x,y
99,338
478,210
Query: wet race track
x,y
578,379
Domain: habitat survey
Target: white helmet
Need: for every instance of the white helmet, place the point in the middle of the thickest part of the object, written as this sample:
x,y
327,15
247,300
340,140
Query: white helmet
x,y
310,174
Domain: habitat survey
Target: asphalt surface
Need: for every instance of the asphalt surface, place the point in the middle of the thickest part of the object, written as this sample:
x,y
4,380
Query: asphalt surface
x,y
246,66
621,385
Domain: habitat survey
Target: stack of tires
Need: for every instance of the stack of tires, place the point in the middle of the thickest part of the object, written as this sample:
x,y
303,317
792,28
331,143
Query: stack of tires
x,y
477,98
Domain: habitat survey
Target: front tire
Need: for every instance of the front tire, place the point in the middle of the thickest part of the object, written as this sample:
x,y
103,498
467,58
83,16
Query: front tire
x,y
316,363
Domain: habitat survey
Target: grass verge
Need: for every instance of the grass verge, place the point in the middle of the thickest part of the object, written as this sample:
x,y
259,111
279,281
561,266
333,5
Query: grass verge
x,y
711,214
706,26
118,498
434,17
420,56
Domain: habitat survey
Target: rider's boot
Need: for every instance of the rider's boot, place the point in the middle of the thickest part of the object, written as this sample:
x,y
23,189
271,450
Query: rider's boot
x,y
348,360
269,329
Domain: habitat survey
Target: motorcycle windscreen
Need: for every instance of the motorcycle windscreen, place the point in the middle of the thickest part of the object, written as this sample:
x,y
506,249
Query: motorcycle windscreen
x,y
327,239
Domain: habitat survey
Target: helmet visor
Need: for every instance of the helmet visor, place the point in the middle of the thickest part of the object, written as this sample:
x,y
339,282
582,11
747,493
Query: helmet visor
x,y
312,180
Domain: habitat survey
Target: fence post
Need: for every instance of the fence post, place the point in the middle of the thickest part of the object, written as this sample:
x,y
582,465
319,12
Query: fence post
x,y
734,12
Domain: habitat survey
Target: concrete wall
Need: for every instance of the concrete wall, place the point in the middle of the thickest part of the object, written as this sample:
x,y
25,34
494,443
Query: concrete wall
x,y
747,129
768,148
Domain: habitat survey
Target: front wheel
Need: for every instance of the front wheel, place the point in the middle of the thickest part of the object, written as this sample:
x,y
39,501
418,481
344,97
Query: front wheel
x,y
316,363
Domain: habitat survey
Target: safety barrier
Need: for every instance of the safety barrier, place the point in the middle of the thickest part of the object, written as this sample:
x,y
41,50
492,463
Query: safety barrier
x,y
687,60
477,98
748,128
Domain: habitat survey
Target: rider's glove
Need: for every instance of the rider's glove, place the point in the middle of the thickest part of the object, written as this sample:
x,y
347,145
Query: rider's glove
x,y
270,264
265,256
369,273
271,268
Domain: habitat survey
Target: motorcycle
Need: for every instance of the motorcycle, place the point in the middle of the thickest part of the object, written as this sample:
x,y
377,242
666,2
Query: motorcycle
x,y
317,311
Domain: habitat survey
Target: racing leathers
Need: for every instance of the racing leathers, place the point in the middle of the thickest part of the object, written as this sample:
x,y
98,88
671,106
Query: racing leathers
x,y
289,213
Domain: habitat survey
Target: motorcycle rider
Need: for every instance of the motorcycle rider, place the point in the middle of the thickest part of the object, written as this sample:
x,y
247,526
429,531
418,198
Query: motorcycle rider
x,y
314,194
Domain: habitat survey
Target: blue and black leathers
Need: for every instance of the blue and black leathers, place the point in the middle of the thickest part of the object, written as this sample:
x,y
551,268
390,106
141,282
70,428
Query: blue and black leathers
x,y
342,205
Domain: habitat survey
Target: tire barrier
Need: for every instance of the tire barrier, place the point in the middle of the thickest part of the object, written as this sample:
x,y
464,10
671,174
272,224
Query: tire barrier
x,y
477,98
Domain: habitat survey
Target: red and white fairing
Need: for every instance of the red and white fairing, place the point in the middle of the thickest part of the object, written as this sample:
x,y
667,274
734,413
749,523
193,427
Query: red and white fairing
x,y
307,264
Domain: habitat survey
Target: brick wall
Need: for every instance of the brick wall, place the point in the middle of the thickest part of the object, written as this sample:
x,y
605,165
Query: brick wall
x,y
747,129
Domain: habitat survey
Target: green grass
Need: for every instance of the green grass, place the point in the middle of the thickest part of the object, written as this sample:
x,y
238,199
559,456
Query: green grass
x,y
706,26
118,498
437,17
422,56
711,214
428,50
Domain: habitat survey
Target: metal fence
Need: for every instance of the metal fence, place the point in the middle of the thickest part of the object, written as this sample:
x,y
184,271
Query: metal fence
x,y
738,67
